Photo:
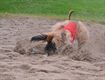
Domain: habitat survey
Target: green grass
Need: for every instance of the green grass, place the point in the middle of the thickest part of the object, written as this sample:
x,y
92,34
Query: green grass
x,y
84,9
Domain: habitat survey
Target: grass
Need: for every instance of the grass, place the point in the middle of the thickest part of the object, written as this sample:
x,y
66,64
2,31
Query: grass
x,y
84,9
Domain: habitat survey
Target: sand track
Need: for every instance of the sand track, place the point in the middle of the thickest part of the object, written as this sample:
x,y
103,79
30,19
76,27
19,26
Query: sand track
x,y
88,65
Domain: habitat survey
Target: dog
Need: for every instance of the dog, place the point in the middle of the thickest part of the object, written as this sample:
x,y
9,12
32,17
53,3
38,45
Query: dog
x,y
64,34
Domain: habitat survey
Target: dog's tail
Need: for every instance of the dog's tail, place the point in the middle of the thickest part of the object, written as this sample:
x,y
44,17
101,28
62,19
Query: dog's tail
x,y
70,12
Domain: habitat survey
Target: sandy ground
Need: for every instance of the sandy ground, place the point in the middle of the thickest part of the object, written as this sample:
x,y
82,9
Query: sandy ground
x,y
14,66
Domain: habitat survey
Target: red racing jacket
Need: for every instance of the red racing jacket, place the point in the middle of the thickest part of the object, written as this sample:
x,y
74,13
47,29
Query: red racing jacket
x,y
72,28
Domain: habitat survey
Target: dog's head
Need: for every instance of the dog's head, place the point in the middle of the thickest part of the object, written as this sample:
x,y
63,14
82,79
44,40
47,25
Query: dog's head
x,y
54,40
47,37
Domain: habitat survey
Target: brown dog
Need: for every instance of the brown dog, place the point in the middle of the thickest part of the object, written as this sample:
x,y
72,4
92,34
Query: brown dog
x,y
64,34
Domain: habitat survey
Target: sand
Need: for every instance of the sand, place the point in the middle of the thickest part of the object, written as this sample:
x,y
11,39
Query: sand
x,y
87,64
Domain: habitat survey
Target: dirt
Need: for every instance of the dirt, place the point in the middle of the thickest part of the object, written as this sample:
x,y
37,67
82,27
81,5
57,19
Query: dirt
x,y
88,64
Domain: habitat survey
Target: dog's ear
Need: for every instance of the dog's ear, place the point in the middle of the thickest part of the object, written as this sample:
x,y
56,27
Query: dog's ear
x,y
70,12
39,37
45,37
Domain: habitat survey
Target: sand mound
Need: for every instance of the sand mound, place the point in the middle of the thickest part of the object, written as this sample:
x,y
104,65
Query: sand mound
x,y
27,47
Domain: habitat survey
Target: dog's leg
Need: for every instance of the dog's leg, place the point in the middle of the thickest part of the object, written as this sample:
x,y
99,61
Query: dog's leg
x,y
68,39
66,42
75,44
